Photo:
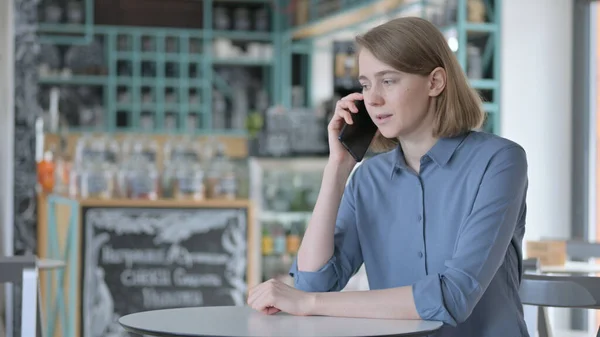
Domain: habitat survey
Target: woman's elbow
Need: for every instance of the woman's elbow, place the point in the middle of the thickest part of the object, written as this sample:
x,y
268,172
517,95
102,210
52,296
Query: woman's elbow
x,y
462,313
459,306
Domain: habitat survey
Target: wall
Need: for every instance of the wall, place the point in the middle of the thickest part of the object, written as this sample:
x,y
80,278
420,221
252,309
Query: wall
x,y
6,125
6,141
26,110
536,105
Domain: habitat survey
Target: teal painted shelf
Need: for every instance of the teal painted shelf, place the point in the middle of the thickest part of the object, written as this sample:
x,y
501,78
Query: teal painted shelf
x,y
490,107
481,27
74,80
158,70
245,36
169,62
243,61
484,84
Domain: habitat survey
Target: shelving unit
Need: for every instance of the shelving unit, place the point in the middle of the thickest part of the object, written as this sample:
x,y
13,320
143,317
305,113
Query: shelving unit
x,y
283,192
185,79
160,71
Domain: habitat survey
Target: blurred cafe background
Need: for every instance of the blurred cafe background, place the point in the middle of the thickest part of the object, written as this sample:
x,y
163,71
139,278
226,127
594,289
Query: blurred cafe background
x,y
169,152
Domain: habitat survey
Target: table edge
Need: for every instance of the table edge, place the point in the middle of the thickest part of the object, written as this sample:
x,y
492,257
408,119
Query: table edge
x,y
153,333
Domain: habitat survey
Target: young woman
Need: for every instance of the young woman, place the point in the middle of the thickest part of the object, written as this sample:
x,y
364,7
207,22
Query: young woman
x,y
437,219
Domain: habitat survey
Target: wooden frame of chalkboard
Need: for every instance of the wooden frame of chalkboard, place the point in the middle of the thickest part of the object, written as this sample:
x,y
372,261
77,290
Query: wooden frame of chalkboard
x,y
138,255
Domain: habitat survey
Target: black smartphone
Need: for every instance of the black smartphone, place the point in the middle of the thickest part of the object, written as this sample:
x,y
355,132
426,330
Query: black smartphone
x,y
357,137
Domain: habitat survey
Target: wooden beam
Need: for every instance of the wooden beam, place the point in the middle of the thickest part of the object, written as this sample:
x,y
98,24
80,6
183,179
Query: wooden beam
x,y
345,19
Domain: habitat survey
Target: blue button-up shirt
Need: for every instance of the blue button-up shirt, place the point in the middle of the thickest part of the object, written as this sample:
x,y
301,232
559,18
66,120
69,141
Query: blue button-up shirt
x,y
453,232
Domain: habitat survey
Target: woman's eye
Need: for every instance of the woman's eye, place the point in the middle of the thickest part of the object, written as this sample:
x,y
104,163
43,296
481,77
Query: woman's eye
x,y
388,82
364,86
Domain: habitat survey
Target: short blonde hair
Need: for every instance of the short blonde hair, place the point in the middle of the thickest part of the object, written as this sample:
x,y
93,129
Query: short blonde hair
x,y
414,45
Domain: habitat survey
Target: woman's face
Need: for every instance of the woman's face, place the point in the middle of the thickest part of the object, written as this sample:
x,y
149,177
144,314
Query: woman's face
x,y
398,103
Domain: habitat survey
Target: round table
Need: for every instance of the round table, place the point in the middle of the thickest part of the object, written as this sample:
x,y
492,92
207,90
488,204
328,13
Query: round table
x,y
242,321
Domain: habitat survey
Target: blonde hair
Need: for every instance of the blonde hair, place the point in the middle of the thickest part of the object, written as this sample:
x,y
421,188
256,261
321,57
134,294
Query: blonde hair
x,y
414,45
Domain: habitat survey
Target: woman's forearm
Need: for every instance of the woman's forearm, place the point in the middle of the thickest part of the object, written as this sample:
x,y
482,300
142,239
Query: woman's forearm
x,y
317,244
394,303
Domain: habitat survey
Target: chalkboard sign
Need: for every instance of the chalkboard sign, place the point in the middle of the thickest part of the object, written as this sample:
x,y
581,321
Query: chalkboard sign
x,y
140,259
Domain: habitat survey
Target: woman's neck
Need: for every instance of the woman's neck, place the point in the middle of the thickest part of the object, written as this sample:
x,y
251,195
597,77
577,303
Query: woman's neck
x,y
416,144
415,147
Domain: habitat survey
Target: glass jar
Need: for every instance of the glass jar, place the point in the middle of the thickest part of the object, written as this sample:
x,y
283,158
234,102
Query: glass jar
x,y
242,19
189,183
221,18
97,181
221,180
142,180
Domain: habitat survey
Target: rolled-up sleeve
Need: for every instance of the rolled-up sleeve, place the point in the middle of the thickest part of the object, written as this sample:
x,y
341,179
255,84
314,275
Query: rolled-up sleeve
x,y
347,256
482,242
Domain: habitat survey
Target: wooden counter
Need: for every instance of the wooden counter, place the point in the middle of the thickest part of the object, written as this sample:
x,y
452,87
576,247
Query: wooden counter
x,y
125,256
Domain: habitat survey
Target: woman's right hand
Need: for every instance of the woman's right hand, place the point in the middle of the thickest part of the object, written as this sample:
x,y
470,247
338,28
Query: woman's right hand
x,y
343,109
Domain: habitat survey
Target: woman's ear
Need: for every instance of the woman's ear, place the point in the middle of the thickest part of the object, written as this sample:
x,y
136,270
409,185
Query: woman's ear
x,y
437,81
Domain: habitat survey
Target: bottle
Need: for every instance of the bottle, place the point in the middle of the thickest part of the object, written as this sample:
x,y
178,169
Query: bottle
x,y
221,182
95,168
293,238
63,166
189,183
279,240
83,149
145,144
221,18
45,169
267,240
241,19
192,150
190,173
141,175
261,20
171,157
96,181
474,62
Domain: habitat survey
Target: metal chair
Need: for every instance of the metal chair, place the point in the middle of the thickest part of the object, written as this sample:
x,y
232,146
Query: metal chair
x,y
560,291
579,249
24,269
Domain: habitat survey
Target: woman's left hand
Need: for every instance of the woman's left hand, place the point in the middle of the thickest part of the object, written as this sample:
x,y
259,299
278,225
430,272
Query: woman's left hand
x,y
273,296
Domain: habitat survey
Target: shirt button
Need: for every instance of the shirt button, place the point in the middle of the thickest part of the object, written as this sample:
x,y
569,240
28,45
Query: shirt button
x,y
419,217
420,254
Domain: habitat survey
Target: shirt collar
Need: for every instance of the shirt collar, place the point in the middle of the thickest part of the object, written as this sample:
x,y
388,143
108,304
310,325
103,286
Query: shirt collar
x,y
440,153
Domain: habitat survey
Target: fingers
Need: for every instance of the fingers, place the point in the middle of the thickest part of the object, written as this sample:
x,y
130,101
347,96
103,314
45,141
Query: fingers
x,y
355,96
271,311
342,110
256,293
260,293
265,302
347,105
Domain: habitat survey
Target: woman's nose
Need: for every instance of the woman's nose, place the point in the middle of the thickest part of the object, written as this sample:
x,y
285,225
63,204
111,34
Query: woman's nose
x,y
374,99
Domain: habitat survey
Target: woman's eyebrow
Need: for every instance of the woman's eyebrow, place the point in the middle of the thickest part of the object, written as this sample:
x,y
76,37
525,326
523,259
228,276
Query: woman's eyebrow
x,y
379,74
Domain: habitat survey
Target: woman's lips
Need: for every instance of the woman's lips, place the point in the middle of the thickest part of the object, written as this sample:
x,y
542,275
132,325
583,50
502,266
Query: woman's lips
x,y
382,118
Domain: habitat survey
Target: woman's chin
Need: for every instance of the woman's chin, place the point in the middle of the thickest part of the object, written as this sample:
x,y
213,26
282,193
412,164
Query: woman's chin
x,y
388,132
